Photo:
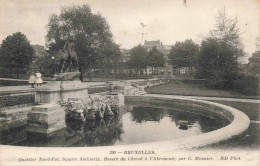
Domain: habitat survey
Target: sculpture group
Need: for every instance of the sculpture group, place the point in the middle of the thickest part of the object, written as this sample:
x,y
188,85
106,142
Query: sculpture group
x,y
94,108
67,55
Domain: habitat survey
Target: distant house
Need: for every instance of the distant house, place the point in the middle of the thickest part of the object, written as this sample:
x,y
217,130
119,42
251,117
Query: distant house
x,y
165,50
156,43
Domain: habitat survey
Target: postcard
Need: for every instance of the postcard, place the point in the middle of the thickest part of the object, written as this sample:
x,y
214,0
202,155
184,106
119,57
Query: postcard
x,y
128,82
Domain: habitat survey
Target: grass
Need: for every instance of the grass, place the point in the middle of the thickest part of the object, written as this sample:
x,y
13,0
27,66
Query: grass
x,y
177,87
252,110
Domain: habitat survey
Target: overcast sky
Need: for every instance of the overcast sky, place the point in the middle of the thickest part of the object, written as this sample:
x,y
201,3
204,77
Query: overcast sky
x,y
166,20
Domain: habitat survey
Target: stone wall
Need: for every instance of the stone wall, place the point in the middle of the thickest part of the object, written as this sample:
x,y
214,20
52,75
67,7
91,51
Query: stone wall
x,y
14,82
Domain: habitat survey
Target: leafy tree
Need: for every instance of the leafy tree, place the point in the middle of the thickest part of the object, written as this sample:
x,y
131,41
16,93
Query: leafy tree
x,y
16,52
217,64
112,58
254,64
219,54
183,54
138,57
46,64
91,33
227,30
155,58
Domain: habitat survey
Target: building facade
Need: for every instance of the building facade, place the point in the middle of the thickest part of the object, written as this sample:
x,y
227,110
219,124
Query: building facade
x,y
165,50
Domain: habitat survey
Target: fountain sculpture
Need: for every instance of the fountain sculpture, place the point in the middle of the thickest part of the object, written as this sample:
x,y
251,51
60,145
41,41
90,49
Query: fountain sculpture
x,y
96,107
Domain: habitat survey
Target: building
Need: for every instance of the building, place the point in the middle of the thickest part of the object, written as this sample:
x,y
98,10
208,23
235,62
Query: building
x,y
165,49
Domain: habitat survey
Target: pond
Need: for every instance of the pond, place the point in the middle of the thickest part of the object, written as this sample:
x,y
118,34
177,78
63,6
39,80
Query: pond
x,y
134,125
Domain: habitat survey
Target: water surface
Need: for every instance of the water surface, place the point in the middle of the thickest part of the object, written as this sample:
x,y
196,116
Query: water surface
x,y
134,125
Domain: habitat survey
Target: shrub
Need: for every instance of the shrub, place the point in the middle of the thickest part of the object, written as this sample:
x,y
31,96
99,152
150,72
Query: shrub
x,y
247,85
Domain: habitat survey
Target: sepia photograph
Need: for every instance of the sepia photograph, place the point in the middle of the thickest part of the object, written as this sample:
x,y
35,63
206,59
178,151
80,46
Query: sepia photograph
x,y
129,82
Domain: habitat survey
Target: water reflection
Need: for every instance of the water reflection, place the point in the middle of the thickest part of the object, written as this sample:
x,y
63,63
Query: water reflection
x,y
184,118
12,135
101,132
141,114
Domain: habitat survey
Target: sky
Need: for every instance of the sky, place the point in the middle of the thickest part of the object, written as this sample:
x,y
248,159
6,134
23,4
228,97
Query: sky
x,y
167,20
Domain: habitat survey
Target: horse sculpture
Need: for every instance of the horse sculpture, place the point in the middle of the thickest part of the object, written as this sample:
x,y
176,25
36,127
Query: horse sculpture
x,y
65,54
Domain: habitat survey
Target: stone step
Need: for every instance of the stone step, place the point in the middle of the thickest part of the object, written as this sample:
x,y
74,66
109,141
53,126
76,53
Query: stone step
x,y
6,125
17,106
46,117
45,107
15,111
13,117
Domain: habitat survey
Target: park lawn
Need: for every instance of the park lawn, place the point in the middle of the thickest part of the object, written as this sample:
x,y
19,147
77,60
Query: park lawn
x,y
177,87
252,110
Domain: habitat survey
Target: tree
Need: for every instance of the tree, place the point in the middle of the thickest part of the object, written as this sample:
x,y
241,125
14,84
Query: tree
x,y
219,53
227,30
16,52
183,54
217,64
91,33
253,65
112,58
45,64
138,57
155,58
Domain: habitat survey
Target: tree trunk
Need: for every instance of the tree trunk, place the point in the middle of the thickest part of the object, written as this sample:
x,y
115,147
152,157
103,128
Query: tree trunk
x,y
136,71
10,73
81,74
17,72
116,68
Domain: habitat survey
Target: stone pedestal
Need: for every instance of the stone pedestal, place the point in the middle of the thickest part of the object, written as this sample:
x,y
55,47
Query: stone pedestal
x,y
60,90
45,119
50,116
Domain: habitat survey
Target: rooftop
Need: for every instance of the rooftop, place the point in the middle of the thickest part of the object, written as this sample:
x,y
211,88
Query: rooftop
x,y
151,43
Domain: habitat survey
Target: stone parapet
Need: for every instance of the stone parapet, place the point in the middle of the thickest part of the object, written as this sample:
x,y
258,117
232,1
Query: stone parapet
x,y
60,90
